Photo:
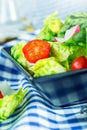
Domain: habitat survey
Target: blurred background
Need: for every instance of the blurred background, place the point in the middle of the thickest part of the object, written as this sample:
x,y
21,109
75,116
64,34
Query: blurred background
x,y
17,16
38,10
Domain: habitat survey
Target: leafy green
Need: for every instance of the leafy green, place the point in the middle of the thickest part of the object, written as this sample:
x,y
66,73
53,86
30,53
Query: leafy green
x,y
46,34
60,51
76,51
53,22
47,66
65,54
78,38
72,20
17,54
77,43
16,50
52,25
8,104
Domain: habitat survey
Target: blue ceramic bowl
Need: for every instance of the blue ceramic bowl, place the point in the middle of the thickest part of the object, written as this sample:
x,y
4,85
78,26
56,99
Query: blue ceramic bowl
x,y
63,89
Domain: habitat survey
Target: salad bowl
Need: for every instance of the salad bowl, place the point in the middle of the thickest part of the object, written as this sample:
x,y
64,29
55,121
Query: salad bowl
x,y
65,89
67,41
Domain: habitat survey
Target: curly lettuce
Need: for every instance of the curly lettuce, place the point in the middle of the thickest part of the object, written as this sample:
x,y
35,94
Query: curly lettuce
x,y
8,104
52,25
47,66
71,20
65,54
17,54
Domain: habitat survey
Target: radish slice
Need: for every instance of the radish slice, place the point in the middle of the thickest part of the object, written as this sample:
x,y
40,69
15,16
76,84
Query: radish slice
x,y
69,33
55,39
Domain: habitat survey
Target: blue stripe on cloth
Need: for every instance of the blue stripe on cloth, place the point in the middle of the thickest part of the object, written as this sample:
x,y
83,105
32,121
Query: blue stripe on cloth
x,y
35,112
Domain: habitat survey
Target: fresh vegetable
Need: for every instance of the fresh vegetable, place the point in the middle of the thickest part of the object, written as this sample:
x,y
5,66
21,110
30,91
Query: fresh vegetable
x,y
65,42
60,51
17,54
66,54
72,20
36,50
47,66
52,26
8,104
1,95
78,38
79,63
69,34
53,23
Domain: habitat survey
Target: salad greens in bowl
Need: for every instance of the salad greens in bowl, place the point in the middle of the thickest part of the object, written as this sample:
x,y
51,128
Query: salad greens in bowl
x,y
63,42
56,58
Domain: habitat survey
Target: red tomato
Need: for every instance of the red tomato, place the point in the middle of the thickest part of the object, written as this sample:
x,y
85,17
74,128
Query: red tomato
x,y
1,96
36,50
79,63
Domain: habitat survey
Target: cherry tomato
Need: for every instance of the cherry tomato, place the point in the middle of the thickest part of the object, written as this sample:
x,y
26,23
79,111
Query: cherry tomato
x,y
79,63
1,96
36,50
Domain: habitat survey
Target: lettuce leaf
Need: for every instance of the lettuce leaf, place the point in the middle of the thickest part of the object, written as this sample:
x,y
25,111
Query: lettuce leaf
x,y
52,25
8,104
78,38
72,20
65,54
17,54
47,66
60,51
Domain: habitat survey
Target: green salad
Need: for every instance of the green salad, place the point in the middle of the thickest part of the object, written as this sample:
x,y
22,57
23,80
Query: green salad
x,y
9,103
58,48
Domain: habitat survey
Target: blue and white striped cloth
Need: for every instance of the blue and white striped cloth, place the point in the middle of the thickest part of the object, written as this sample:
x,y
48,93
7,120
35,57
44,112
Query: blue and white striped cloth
x,y
35,113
